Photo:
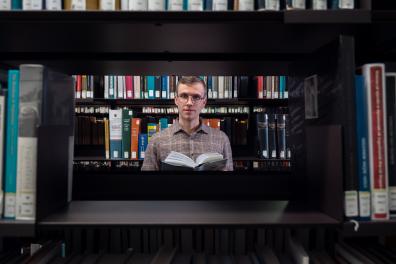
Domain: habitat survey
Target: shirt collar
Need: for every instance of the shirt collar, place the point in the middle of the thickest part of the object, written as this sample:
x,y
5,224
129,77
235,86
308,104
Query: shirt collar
x,y
177,128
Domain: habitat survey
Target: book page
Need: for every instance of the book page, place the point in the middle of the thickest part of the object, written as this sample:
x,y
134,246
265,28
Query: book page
x,y
208,157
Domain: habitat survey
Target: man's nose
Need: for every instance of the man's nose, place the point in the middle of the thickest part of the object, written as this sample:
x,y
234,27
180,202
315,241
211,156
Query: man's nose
x,y
190,100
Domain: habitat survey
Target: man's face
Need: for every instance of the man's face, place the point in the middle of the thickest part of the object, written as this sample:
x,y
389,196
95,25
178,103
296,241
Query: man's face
x,y
190,100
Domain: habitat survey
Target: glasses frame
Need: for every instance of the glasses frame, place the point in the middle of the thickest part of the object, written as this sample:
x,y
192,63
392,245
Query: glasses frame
x,y
194,101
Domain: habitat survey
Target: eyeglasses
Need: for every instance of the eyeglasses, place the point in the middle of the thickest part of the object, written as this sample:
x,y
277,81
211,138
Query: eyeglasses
x,y
194,98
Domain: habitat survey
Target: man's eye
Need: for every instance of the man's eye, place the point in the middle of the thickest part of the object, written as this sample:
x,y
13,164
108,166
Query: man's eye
x,y
196,98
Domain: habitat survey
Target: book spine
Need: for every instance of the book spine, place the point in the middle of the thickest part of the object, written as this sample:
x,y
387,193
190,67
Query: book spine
x,y
120,84
281,129
53,4
295,4
157,87
272,135
5,5
16,4
195,5
362,150
150,82
11,153
346,4
319,4
219,5
175,5
107,137
126,133
137,88
164,87
135,131
245,5
374,75
30,113
143,141
156,5
129,87
138,5
32,5
391,124
115,118
2,135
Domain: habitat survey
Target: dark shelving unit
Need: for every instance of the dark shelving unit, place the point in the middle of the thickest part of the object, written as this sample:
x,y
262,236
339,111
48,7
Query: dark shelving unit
x,y
17,228
185,213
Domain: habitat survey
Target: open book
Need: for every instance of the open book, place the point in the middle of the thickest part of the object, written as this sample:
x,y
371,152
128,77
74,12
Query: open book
x,y
205,161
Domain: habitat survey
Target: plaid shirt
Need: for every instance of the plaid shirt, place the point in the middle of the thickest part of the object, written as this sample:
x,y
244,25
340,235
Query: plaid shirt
x,y
205,139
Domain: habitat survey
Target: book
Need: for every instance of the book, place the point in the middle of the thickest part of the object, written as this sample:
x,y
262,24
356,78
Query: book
x,y
391,125
374,84
362,149
206,161
2,135
11,145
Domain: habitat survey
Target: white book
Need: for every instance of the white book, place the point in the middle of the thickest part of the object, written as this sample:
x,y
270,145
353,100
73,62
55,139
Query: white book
x,y
156,5
106,87
180,160
138,5
221,87
136,87
30,99
5,5
319,4
53,4
124,5
195,5
220,5
272,5
120,86
111,87
2,134
246,5
296,4
32,5
346,4
78,5
107,5
175,5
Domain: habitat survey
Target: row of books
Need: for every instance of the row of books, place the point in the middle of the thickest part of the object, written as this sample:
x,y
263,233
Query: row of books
x,y
206,110
32,100
375,194
164,87
175,5
125,136
272,125
165,110
135,165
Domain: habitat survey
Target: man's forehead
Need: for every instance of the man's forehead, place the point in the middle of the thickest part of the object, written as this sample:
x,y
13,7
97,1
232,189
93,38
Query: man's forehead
x,y
196,87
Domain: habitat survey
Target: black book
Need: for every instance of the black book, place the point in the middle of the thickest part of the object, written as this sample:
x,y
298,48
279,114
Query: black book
x,y
262,134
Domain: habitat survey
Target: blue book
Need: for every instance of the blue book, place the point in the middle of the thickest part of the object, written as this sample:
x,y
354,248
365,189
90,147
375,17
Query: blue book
x,y
143,140
362,149
150,84
11,153
16,4
165,87
163,123
282,85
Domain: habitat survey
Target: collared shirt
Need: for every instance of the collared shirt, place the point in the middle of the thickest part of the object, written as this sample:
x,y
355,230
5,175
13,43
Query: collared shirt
x,y
204,139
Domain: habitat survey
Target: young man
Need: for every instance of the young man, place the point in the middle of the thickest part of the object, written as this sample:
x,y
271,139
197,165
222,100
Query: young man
x,y
188,135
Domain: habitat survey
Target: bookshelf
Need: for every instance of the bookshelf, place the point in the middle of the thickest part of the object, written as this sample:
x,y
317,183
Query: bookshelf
x,y
123,199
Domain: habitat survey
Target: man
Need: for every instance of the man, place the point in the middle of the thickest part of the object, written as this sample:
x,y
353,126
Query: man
x,y
188,135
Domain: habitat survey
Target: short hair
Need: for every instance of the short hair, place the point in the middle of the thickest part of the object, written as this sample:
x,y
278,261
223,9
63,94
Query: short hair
x,y
190,80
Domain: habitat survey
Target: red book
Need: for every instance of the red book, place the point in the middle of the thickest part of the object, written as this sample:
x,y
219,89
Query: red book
x,y
129,86
374,77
